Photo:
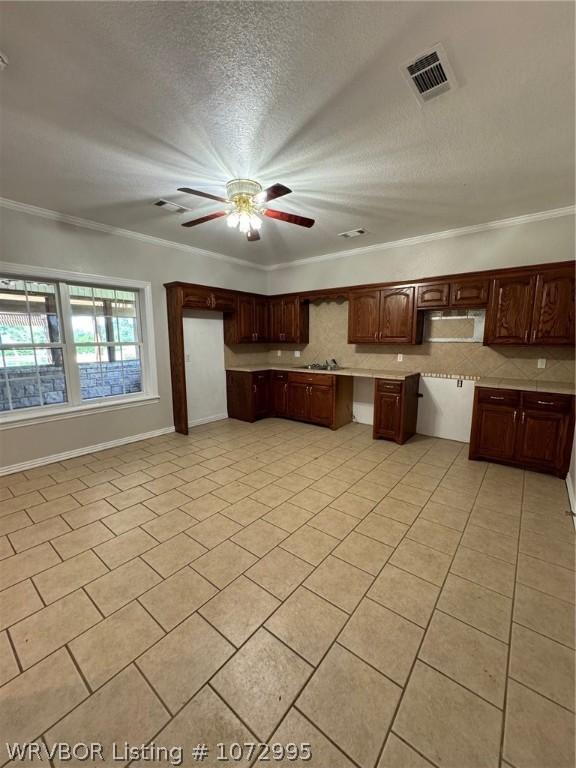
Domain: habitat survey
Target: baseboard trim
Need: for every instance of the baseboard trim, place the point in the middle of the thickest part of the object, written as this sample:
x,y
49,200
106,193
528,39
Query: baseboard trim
x,y
207,419
56,457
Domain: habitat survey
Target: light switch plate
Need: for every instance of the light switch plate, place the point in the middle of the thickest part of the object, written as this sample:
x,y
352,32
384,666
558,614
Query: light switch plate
x,y
400,357
297,353
541,362
278,353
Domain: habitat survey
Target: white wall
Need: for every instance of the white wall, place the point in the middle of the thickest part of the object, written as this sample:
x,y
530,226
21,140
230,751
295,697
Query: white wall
x,y
205,369
510,245
42,242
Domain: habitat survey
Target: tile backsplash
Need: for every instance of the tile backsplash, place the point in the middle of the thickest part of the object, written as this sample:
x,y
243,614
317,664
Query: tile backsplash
x,y
328,334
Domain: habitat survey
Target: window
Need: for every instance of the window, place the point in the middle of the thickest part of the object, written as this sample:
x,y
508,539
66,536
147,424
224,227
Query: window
x,y
65,345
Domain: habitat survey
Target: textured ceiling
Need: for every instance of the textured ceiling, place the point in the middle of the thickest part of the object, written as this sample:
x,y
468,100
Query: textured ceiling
x,y
108,106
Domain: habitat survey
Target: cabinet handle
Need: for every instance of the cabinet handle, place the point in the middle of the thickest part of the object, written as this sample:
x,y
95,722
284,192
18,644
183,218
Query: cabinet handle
x,y
544,402
285,387
495,397
375,335
254,388
534,335
526,335
515,415
523,416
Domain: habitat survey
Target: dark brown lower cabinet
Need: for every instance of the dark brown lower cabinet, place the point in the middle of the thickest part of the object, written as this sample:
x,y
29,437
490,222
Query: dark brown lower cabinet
x,y
533,430
396,408
248,395
279,393
315,398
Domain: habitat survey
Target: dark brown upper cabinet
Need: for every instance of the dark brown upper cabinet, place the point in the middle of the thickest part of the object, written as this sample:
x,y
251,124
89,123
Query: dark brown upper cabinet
x,y
433,295
387,316
553,319
469,292
199,297
532,308
288,318
509,315
363,317
249,323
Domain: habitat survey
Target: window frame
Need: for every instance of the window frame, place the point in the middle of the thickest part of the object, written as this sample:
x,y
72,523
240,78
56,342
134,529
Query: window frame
x,y
75,405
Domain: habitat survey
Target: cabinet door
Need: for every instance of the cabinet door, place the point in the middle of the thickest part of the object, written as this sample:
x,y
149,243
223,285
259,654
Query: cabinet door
x,y
363,317
291,319
469,292
387,414
260,318
222,301
495,431
432,295
298,401
397,315
276,319
245,319
553,320
540,438
280,397
239,395
509,315
321,404
261,394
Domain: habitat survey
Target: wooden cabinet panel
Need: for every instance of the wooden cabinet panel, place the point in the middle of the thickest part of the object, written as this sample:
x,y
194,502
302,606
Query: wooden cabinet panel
x,y
433,295
553,320
261,394
387,415
321,404
244,320
260,318
397,315
396,408
363,317
291,319
239,395
540,438
535,432
496,431
298,401
288,320
469,292
279,397
509,315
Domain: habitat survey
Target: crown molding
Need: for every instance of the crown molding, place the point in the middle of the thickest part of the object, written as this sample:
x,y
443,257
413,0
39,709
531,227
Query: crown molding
x,y
33,210
554,213
74,221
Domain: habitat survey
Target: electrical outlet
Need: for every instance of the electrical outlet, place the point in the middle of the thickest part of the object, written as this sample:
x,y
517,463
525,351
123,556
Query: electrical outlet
x,y
297,353
400,357
278,353
541,362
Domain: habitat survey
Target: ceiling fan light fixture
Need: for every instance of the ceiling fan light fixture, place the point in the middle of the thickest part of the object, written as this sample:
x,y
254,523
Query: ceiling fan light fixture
x,y
233,219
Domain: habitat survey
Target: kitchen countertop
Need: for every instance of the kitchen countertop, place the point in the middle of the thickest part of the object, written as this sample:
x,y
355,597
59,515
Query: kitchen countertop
x,y
528,385
365,373
554,387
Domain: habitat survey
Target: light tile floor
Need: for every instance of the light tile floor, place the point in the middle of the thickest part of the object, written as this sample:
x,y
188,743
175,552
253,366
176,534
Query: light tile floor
x,y
276,582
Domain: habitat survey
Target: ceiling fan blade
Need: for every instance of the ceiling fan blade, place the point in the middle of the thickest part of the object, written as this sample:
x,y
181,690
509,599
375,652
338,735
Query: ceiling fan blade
x,y
202,194
210,216
276,190
291,218
252,235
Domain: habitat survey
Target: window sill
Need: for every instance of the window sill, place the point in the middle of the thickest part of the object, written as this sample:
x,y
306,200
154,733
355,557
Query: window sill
x,y
27,418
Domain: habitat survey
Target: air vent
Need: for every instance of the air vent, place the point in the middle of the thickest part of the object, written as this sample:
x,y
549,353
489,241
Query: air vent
x,y
352,233
430,74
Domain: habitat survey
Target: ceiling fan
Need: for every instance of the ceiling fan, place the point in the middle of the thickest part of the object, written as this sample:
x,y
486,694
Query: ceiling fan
x,y
246,201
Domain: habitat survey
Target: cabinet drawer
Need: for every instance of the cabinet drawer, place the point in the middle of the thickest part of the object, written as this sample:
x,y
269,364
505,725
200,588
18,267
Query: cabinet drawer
x,y
312,378
279,375
383,386
509,397
542,401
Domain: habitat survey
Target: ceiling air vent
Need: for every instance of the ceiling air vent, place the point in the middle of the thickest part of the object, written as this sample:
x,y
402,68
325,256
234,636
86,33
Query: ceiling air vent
x,y
352,233
430,74
171,206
